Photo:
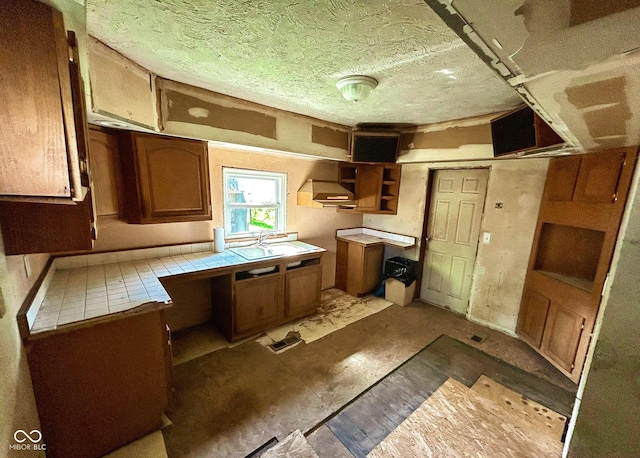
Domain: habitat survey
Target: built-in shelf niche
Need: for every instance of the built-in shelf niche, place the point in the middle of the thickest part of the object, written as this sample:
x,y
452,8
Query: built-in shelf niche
x,y
569,254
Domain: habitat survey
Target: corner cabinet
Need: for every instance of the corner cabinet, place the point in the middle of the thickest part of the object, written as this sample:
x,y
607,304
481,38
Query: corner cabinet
x,y
582,206
166,179
376,187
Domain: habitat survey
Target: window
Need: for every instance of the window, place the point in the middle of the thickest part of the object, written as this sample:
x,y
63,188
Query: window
x,y
254,202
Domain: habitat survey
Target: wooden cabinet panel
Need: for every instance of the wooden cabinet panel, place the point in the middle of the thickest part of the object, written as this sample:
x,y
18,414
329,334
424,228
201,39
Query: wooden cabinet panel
x,y
36,227
107,177
166,179
562,337
372,267
302,288
599,177
561,178
376,188
258,303
342,254
533,316
368,187
38,147
364,268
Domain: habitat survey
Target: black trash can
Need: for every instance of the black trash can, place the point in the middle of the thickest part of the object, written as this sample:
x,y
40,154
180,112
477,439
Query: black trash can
x,y
403,269
400,276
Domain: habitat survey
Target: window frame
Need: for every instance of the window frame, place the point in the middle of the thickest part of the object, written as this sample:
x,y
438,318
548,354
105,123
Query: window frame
x,y
281,201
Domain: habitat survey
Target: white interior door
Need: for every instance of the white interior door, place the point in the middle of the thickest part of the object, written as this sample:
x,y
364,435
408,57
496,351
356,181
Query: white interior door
x,y
457,202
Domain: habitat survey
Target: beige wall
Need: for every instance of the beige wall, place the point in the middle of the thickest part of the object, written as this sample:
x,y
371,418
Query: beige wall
x,y
314,225
17,404
500,265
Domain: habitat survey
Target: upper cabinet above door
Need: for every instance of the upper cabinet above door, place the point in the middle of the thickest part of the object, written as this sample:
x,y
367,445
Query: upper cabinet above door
x,y
40,143
166,179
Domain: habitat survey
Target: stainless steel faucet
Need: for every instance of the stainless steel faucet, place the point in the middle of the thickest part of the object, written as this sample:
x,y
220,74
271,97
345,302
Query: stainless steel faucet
x,y
262,238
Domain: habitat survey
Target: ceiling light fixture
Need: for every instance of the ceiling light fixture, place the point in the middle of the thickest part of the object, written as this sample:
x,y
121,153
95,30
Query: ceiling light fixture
x,y
356,87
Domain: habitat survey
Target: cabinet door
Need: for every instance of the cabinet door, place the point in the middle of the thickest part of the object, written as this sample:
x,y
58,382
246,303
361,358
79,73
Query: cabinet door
x,y
533,316
365,267
258,303
38,147
342,255
368,187
562,336
561,178
372,267
34,227
106,174
599,177
173,179
302,288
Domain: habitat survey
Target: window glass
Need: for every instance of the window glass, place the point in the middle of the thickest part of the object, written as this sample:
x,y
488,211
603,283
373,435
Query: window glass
x,y
254,202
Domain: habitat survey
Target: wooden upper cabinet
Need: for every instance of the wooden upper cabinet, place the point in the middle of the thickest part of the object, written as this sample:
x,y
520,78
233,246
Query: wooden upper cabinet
x,y
166,179
561,178
587,178
107,177
599,177
39,142
369,188
376,187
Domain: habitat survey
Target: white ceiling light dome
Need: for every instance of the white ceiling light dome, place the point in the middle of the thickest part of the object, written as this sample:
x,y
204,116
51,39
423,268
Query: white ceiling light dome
x,y
356,88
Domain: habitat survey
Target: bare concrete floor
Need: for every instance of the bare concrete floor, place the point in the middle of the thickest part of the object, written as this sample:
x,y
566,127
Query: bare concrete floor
x,y
230,402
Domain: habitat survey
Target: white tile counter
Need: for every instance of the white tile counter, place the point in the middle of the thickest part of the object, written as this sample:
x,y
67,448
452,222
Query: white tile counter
x,y
78,288
366,236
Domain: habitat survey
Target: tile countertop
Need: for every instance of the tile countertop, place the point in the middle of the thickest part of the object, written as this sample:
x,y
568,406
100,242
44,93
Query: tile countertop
x,y
366,236
116,282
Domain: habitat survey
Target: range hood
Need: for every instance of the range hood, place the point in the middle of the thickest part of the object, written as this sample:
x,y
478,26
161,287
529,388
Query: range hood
x,y
318,194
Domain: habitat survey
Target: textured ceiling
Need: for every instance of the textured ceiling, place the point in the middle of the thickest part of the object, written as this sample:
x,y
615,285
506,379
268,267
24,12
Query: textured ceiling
x,y
289,55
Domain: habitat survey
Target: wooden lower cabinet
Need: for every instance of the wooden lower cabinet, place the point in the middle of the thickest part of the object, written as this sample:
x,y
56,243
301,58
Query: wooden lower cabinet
x,y
101,386
554,329
302,288
258,304
562,337
358,267
533,316
342,264
245,304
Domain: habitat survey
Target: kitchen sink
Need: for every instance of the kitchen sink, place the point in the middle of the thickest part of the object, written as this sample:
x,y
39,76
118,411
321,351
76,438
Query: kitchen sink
x,y
251,253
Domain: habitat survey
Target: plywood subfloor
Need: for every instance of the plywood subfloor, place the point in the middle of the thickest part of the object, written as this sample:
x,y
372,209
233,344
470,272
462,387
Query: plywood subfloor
x,y
534,415
369,419
457,422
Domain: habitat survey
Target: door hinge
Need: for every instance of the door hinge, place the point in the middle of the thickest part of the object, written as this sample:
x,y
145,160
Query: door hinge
x,y
604,285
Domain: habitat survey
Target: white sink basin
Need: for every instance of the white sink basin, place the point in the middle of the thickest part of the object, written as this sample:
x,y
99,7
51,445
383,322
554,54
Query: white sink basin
x,y
252,253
